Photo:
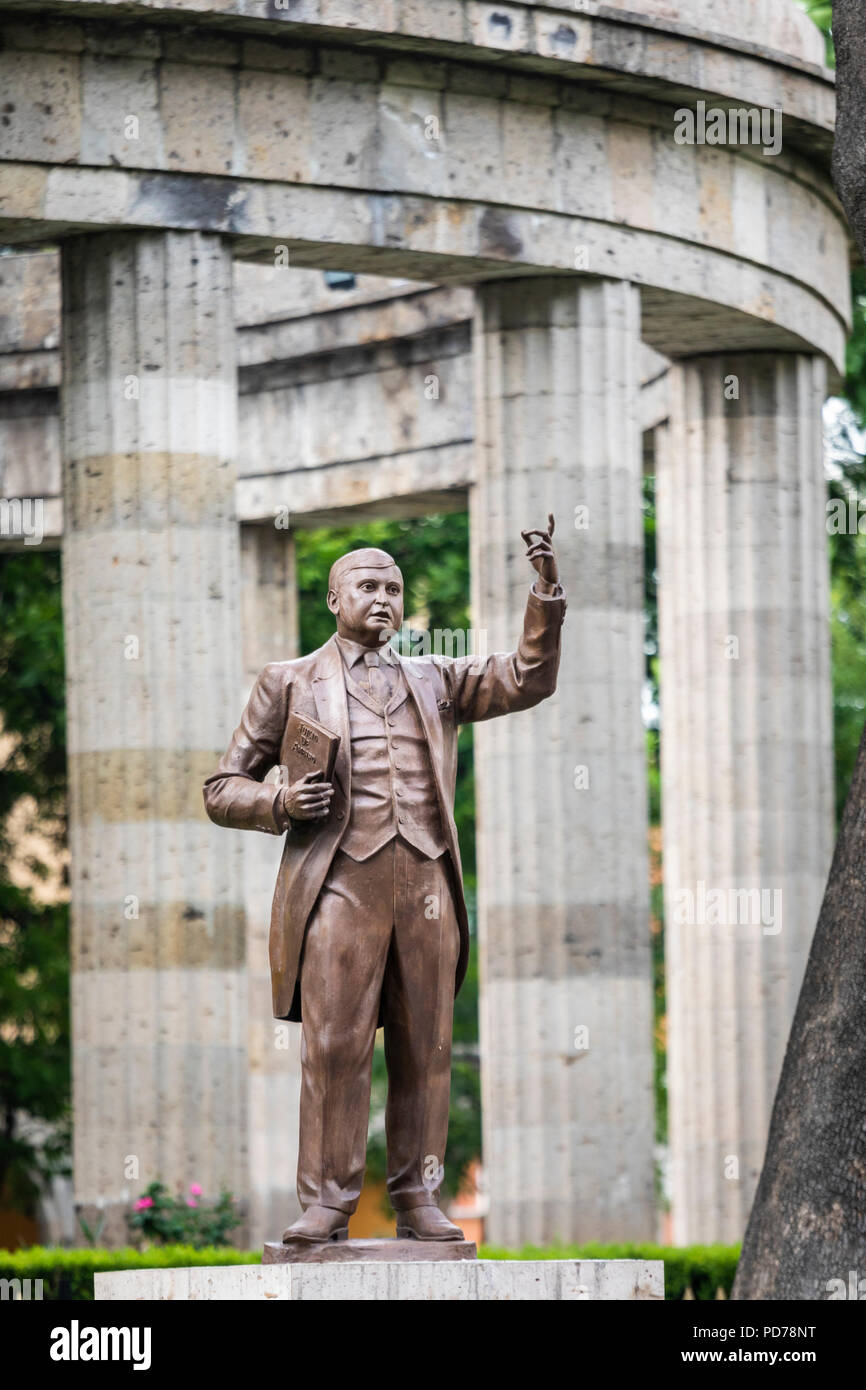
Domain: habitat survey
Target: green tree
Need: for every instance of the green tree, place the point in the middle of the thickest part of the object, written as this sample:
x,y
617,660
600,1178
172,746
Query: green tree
x,y
34,944
821,13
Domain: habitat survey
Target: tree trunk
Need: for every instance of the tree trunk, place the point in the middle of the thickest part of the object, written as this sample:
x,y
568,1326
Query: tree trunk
x,y
808,1223
849,148
806,1237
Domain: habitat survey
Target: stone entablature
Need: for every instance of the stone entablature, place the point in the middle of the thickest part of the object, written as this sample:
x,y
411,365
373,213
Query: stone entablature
x,y
369,160
348,400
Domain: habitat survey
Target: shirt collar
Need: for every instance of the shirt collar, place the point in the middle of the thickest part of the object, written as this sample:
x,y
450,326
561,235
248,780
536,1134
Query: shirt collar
x,y
353,652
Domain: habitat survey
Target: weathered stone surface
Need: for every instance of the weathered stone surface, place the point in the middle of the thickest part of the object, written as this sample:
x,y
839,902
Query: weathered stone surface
x,y
561,791
449,1281
439,179
747,761
353,402
770,28
411,235
151,607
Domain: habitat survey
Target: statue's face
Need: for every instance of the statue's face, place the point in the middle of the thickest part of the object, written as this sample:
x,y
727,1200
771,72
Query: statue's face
x,y
369,605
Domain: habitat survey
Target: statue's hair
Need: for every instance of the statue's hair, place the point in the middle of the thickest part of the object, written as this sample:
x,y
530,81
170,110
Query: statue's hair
x,y
366,559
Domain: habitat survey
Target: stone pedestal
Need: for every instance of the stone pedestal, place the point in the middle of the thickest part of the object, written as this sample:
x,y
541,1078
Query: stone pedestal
x,y
563,883
747,755
455,1281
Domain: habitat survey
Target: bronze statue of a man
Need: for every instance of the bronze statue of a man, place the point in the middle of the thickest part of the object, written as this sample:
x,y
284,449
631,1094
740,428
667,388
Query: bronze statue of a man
x,y
369,924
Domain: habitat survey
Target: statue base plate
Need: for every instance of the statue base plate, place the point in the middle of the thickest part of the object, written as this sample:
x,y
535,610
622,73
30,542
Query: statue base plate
x,y
349,1251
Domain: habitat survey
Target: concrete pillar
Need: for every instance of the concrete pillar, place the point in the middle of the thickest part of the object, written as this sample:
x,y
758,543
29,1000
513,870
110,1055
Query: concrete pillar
x,y
270,633
151,604
566,1004
747,755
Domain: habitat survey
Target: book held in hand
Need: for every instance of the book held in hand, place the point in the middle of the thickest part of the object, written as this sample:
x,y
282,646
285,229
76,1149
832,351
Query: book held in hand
x,y
308,747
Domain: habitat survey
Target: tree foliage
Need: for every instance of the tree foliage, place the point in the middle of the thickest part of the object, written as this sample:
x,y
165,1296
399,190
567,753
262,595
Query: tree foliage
x,y
34,944
821,13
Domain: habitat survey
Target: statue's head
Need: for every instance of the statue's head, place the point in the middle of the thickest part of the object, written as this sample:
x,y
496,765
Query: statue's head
x,y
365,592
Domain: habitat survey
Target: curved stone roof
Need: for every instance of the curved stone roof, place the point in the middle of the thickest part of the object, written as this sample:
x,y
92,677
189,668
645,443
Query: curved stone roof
x,y
449,142
776,24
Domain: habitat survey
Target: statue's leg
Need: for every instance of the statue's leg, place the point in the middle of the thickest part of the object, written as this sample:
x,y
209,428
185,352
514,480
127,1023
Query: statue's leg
x,y
418,1006
345,949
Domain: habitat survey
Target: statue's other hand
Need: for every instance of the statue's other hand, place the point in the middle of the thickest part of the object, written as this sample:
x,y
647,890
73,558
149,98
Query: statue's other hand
x,y
309,798
540,552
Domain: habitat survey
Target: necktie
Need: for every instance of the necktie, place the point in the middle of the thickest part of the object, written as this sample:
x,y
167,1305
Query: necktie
x,y
378,683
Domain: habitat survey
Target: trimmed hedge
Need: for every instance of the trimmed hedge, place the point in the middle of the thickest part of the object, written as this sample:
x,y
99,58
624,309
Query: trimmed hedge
x,y
68,1274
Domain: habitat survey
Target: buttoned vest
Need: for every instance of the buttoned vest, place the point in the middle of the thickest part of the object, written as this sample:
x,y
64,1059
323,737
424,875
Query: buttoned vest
x,y
393,791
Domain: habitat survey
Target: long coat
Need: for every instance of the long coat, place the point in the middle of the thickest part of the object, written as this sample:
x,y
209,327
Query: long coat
x,y
448,691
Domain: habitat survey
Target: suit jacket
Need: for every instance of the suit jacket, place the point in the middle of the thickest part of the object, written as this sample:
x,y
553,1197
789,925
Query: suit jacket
x,y
448,691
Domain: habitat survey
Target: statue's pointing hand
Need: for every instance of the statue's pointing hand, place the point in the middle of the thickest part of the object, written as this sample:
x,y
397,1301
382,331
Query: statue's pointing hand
x,y
541,555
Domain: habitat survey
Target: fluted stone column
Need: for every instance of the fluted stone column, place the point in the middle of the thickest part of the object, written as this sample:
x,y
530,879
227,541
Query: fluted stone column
x,y
747,755
151,604
566,1002
270,633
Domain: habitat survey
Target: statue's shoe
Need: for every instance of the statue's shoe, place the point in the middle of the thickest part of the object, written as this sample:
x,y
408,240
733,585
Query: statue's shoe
x,y
317,1226
426,1223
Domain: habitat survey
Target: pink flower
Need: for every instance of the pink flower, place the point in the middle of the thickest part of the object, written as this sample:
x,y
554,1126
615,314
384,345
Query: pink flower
x,y
195,1189
191,1202
143,1203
